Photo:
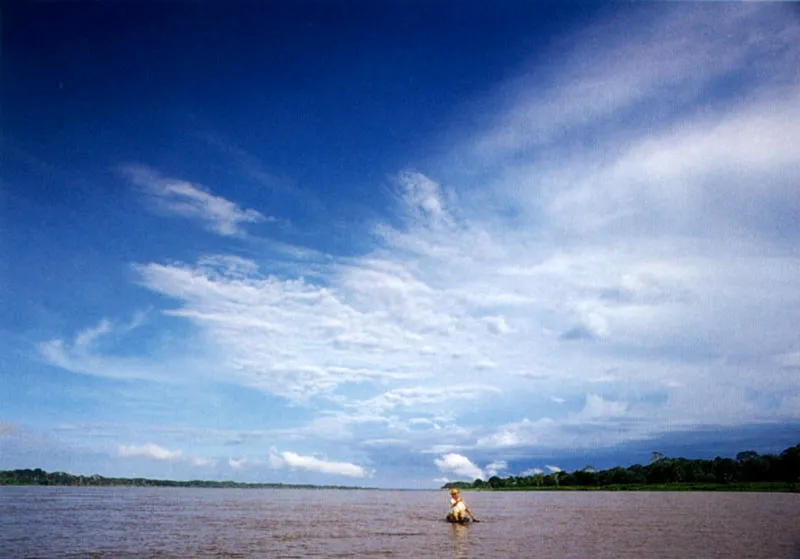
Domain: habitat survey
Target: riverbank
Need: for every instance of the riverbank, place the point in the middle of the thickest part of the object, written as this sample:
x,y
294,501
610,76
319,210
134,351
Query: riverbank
x,y
40,477
761,487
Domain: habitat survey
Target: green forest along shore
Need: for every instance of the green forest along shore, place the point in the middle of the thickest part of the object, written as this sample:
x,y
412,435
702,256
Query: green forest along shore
x,y
40,477
750,471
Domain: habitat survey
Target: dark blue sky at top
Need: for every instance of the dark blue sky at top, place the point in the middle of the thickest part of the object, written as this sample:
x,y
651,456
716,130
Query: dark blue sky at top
x,y
305,86
327,98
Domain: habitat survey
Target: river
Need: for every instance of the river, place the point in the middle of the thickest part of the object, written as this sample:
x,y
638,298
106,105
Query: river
x,y
102,522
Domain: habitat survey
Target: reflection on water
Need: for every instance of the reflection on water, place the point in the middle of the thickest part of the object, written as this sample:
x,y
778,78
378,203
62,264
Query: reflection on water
x,y
461,541
165,523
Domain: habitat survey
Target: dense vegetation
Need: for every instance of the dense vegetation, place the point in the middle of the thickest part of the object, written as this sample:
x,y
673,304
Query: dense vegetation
x,y
40,477
749,471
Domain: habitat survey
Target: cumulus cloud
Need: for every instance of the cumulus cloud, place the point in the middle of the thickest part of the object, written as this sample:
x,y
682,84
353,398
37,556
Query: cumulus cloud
x,y
148,450
312,464
459,465
532,472
185,199
553,469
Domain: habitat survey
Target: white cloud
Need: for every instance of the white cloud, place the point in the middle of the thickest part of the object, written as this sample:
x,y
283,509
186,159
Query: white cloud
x,y
598,408
502,438
496,325
83,355
421,196
494,468
524,432
244,462
85,338
629,238
600,423
200,462
148,450
285,336
420,398
532,472
706,172
185,199
312,464
459,465
613,68
554,469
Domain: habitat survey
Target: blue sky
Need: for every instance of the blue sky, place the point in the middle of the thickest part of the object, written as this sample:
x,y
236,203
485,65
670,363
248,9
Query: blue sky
x,y
392,245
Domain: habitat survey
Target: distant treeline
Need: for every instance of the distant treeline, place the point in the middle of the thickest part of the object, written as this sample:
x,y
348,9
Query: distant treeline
x,y
40,477
749,470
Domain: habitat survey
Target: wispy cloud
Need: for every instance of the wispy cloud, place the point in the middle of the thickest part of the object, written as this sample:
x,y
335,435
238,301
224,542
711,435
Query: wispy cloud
x,y
149,450
369,321
312,464
424,398
421,198
631,66
179,197
83,355
630,242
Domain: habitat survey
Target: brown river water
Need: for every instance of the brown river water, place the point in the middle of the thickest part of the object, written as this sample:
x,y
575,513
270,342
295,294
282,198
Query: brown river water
x,y
186,523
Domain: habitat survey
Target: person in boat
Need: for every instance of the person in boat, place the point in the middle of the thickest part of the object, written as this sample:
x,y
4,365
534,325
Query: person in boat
x,y
458,508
